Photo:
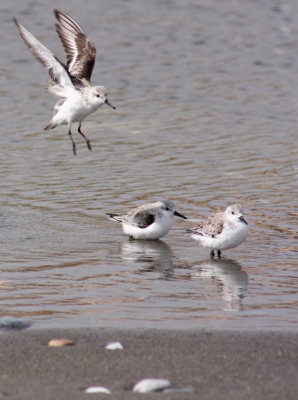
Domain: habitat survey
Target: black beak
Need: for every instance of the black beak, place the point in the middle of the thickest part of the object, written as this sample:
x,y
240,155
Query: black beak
x,y
179,215
110,104
243,219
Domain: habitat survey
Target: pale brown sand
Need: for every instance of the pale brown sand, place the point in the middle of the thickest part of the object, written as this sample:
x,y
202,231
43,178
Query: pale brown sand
x,y
218,364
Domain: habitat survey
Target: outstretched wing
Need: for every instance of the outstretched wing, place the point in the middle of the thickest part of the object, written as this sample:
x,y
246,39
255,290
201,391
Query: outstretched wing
x,y
57,70
79,51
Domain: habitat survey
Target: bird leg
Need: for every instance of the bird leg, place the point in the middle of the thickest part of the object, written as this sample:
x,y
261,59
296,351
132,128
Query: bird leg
x,y
212,254
87,140
73,143
218,253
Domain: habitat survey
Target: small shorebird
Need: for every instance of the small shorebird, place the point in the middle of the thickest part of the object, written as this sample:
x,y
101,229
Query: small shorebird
x,y
71,83
223,230
150,221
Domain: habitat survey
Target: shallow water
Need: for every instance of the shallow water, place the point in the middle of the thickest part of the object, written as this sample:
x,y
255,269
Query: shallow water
x,y
207,97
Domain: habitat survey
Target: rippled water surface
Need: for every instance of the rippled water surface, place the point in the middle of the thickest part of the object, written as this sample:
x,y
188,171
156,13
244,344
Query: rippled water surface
x,y
207,115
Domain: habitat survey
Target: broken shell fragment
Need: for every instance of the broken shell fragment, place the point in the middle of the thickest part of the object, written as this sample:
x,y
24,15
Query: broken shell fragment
x,y
60,342
114,346
151,385
97,389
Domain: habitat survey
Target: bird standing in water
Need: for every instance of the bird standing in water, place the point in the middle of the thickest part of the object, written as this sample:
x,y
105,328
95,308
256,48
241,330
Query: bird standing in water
x,y
223,230
150,221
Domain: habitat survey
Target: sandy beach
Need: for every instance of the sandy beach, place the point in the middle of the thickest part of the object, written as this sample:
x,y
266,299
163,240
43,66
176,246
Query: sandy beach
x,y
217,364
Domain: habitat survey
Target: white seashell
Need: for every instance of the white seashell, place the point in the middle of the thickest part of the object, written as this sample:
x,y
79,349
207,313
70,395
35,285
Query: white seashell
x,y
151,385
114,346
97,389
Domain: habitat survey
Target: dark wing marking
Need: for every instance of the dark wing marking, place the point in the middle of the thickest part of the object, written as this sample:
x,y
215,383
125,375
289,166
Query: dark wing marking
x,y
141,219
58,71
79,51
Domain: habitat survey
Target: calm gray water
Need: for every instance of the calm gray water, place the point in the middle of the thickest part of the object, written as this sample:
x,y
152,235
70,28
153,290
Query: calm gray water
x,y
207,115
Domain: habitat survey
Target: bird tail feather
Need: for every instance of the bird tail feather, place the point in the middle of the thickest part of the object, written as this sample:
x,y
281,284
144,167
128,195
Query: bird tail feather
x,y
114,217
51,125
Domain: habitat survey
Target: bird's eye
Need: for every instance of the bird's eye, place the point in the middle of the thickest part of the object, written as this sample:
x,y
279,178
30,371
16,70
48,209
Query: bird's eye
x,y
97,95
232,212
167,208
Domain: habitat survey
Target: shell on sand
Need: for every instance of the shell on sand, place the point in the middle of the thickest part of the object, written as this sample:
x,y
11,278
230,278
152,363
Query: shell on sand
x,y
151,385
114,346
60,342
97,389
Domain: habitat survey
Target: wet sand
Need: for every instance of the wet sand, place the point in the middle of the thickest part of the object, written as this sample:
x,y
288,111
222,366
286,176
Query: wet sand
x,y
218,364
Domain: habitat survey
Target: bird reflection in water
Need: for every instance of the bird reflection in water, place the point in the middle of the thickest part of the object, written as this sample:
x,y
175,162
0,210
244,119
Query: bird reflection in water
x,y
157,256
227,275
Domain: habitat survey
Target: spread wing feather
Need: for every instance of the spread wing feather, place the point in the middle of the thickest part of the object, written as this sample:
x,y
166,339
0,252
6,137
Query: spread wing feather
x,y
79,51
57,71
